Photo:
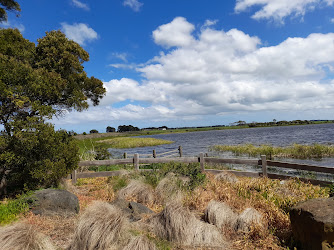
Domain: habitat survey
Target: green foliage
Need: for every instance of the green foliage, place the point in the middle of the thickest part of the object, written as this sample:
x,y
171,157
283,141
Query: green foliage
x,y
8,5
93,131
10,209
118,182
192,170
38,82
131,142
102,154
35,155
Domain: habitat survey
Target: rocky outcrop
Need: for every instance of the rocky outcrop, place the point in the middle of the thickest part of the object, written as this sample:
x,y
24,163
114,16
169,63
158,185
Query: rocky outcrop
x,y
54,202
313,223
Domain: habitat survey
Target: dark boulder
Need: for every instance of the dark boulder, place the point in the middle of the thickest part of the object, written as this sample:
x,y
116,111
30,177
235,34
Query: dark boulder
x,y
54,202
313,223
133,210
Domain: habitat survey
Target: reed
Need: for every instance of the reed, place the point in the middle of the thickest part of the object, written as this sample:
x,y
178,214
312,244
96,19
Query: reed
x,y
293,151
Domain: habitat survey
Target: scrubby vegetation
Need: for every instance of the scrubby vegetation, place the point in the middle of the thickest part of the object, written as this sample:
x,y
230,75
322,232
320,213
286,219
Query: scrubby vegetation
x,y
294,151
191,210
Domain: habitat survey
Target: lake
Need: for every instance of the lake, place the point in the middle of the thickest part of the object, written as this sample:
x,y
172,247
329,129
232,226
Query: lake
x,y
194,143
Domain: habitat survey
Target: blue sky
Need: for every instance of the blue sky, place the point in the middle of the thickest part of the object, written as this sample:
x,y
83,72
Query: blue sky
x,y
195,63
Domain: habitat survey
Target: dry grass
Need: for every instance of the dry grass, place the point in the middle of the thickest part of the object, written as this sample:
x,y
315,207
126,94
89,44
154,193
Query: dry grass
x,y
271,198
177,224
226,176
169,188
132,142
59,229
137,191
249,218
140,243
220,214
101,226
21,236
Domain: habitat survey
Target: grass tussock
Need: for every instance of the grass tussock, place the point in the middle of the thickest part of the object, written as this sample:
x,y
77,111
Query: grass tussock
x,y
170,188
294,151
177,224
272,198
220,214
22,236
140,243
101,226
137,191
249,218
132,142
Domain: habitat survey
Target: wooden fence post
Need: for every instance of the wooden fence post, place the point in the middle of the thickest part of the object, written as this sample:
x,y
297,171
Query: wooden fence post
x,y
154,154
201,161
74,177
264,165
180,151
136,161
125,155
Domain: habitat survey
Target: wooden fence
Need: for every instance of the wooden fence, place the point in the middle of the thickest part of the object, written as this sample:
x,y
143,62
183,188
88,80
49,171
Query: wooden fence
x,y
263,162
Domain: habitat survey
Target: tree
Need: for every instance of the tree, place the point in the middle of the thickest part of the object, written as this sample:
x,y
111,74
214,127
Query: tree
x,y
110,129
7,5
93,131
34,155
39,82
127,128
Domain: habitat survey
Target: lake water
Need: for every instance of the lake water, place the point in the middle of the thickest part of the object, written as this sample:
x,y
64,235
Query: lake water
x,y
194,143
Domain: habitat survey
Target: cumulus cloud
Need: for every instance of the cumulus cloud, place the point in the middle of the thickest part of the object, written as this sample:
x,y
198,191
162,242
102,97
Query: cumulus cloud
x,y
135,5
222,72
79,32
279,9
176,33
80,5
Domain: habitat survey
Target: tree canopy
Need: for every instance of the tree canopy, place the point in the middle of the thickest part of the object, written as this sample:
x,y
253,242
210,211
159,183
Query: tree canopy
x,y
45,79
38,82
6,5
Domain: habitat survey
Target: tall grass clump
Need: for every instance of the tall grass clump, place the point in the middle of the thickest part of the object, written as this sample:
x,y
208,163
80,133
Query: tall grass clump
x,y
293,151
102,226
22,236
132,142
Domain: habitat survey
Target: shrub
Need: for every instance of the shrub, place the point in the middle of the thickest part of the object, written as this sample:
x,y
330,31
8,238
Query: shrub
x,y
93,131
35,156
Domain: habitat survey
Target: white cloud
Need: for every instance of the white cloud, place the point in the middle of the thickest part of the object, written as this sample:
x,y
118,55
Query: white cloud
x,y
80,5
176,33
12,24
122,56
79,32
135,5
332,20
279,9
221,72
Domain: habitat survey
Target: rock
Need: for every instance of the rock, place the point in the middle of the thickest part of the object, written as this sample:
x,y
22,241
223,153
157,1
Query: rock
x,y
54,202
133,210
312,223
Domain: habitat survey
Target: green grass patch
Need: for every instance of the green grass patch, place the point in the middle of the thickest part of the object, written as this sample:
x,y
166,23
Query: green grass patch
x,y
314,151
159,171
132,142
12,208
118,182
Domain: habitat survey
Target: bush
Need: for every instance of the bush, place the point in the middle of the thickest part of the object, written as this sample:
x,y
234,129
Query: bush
x,y
35,156
93,131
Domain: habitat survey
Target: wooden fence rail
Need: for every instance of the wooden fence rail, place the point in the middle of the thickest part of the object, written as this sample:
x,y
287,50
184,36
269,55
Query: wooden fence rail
x,y
263,162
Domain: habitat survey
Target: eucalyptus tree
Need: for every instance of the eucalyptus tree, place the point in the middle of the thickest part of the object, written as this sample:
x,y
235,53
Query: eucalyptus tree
x,y
37,82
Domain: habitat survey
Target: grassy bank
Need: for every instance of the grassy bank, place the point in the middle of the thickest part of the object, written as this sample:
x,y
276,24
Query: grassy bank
x,y
298,151
131,142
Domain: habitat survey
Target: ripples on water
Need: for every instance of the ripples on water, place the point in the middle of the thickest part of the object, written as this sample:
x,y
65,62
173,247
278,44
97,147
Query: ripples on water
x,y
194,143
